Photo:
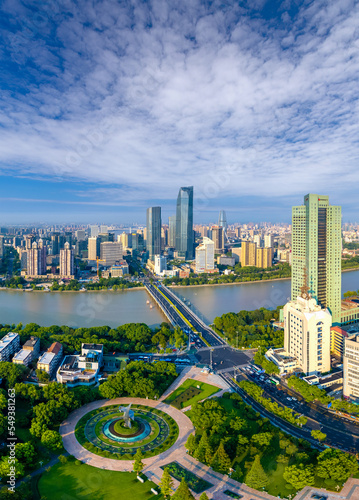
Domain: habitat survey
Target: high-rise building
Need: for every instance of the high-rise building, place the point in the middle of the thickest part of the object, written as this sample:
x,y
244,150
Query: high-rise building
x,y
222,222
93,248
153,228
307,334
36,259
111,252
316,248
248,254
205,256
184,223
218,238
172,231
103,229
80,234
94,231
351,367
257,239
67,261
1,246
264,257
268,240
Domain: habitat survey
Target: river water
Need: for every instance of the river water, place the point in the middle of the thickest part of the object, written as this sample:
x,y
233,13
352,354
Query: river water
x,y
126,306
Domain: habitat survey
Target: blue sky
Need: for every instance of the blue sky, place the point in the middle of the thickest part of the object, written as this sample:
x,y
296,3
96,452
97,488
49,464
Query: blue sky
x,y
109,107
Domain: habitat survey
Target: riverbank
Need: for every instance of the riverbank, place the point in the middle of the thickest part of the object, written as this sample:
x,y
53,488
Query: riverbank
x,y
234,283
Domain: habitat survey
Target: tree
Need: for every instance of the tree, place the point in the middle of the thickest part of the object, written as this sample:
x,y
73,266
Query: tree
x,y
138,465
25,452
42,376
52,440
166,483
256,477
299,475
336,465
200,451
221,461
9,467
263,439
317,434
191,444
183,492
204,496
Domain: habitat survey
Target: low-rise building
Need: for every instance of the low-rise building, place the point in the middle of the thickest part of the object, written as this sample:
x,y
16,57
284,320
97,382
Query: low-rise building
x,y
81,369
283,360
23,357
33,345
50,359
9,345
224,260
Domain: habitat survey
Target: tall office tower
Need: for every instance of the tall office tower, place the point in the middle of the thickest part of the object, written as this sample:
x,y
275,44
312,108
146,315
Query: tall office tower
x,y
351,368
248,254
222,222
307,333
93,248
316,247
36,259
203,231
153,228
103,229
1,246
264,257
94,231
172,231
184,223
66,261
111,252
106,237
205,256
218,238
268,240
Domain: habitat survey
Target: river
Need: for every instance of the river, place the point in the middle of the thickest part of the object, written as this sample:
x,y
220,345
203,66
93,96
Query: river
x,y
117,308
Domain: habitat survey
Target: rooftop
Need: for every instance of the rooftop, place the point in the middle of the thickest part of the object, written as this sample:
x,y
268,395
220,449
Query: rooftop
x,y
9,337
55,348
31,342
46,358
22,355
331,378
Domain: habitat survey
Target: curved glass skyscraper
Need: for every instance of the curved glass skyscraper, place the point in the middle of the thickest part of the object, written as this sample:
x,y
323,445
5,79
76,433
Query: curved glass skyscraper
x,y
184,223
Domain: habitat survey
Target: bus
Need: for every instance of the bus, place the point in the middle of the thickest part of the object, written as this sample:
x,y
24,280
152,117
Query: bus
x,y
274,381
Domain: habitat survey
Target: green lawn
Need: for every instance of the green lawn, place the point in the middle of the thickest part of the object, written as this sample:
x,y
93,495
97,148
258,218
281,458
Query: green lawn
x,y
206,391
83,482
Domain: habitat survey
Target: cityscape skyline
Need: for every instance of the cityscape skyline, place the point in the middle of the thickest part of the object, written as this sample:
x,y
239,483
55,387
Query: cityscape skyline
x,y
252,105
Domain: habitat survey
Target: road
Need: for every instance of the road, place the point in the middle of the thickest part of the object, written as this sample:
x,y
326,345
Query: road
x,y
224,359
340,433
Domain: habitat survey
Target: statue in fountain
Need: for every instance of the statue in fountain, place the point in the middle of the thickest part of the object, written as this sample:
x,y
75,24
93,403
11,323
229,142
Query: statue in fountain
x,y
128,415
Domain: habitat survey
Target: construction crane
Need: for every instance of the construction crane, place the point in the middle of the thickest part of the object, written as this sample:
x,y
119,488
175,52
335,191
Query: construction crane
x,y
97,261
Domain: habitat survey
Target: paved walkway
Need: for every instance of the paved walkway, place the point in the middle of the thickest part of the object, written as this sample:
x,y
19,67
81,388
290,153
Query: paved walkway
x,y
179,454
72,446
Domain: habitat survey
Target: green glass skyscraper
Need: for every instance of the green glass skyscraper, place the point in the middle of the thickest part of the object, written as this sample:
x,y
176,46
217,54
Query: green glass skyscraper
x,y
316,249
184,223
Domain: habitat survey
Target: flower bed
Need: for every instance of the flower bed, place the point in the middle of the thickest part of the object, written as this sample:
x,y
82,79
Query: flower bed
x,y
194,482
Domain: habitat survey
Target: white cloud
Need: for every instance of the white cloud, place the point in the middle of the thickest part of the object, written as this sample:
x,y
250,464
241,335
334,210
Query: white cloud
x,y
196,92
